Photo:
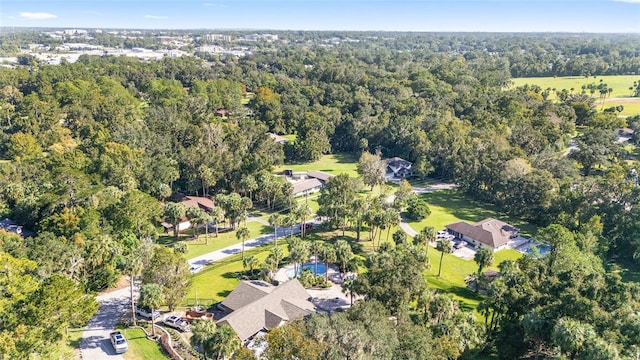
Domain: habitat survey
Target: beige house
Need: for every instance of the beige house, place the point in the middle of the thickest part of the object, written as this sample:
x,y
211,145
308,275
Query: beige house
x,y
491,233
306,187
256,306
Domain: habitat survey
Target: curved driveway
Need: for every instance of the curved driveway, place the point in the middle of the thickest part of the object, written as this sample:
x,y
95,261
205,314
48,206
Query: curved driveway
x,y
113,305
95,339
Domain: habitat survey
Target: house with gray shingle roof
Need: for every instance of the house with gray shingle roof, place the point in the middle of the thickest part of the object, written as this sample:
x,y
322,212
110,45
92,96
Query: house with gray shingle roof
x,y
491,233
257,306
307,186
320,175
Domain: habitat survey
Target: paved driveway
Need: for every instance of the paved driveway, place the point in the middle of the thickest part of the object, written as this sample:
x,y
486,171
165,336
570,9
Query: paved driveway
x,y
95,339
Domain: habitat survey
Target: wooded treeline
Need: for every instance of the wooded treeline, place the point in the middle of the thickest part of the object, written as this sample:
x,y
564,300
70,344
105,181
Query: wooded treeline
x,y
92,148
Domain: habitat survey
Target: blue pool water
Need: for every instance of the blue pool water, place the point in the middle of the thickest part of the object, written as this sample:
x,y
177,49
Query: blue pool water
x,y
311,266
543,249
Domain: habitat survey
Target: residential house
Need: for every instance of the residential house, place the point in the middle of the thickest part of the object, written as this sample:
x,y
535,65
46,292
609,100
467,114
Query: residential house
x,y
398,168
320,175
204,203
256,306
279,139
490,233
307,186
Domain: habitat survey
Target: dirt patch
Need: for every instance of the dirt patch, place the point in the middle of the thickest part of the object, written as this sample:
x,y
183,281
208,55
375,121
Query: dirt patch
x,y
122,283
624,100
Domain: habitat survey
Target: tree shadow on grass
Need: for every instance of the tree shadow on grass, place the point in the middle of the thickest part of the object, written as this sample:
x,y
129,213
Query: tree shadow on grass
x,y
345,158
467,209
232,274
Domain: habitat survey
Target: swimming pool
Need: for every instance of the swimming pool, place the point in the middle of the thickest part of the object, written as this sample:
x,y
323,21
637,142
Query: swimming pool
x,y
542,249
311,266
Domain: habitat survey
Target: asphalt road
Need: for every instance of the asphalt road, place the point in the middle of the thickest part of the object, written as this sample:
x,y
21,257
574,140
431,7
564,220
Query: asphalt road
x,y
96,344
208,258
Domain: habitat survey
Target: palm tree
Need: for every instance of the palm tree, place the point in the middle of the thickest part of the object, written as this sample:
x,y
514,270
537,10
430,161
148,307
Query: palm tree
x,y
289,221
359,207
392,218
205,218
298,253
316,249
275,220
571,335
348,288
250,262
243,234
429,234
535,326
484,258
134,268
225,342
151,296
203,333
194,215
344,254
303,211
329,257
174,212
217,215
248,184
444,246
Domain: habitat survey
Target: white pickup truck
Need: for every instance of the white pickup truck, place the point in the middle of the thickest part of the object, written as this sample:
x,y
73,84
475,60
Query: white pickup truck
x,y
177,323
146,313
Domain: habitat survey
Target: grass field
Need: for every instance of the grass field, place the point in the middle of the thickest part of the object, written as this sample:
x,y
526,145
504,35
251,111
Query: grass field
x,y
333,164
619,83
140,348
218,280
197,247
449,206
455,270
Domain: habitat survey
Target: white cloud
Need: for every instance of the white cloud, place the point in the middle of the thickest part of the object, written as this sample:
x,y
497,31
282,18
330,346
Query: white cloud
x,y
629,1
37,16
208,4
155,17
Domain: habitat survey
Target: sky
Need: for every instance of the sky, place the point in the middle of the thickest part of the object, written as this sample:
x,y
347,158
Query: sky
x,y
592,16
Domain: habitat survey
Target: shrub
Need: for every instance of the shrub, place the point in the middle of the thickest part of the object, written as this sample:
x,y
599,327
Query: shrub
x,y
418,209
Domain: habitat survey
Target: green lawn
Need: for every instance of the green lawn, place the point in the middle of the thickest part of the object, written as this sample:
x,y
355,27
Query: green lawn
x,y
631,106
311,201
216,282
140,348
449,206
333,164
69,349
197,247
455,270
619,83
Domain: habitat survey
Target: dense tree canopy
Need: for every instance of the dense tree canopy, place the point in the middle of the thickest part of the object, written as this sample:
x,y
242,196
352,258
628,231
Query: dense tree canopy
x,y
95,153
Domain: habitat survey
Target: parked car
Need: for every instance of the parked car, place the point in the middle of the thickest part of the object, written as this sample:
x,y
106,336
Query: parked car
x,y
195,268
118,342
177,323
146,312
